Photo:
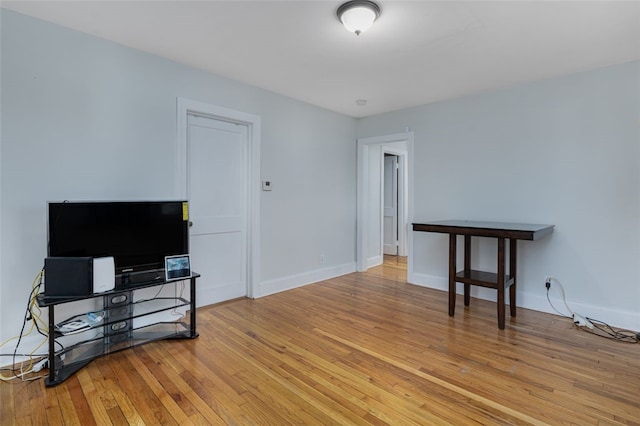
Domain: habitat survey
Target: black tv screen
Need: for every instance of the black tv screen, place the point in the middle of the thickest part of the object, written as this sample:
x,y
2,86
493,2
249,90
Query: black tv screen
x,y
138,234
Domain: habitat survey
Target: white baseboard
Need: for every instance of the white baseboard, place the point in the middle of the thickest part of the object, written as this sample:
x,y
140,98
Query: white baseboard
x,y
375,261
538,302
298,280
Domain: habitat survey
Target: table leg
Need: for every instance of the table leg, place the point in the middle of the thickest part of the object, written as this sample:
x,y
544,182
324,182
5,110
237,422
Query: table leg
x,y
513,261
467,268
501,283
452,274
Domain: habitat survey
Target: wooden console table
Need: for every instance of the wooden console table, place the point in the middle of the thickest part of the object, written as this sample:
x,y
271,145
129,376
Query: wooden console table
x,y
500,280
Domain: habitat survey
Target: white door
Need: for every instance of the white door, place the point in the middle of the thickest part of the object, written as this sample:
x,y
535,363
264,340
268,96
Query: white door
x,y
217,189
390,205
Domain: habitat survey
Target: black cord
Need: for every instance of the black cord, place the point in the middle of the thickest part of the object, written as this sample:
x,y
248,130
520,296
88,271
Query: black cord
x,y
607,331
599,328
27,315
37,290
154,297
36,322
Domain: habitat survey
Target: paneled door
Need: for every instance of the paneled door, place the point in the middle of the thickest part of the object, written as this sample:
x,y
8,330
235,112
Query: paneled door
x,y
217,162
390,205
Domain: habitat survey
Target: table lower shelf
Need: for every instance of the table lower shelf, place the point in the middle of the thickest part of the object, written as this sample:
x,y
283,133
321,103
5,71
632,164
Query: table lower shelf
x,y
482,278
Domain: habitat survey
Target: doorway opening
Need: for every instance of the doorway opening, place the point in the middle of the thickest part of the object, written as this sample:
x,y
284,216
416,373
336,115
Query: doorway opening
x,y
375,204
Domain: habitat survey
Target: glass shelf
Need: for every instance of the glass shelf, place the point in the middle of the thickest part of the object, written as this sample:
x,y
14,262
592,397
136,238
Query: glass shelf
x,y
113,326
140,308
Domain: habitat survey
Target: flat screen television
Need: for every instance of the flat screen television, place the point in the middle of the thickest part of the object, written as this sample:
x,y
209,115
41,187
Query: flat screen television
x,y
138,234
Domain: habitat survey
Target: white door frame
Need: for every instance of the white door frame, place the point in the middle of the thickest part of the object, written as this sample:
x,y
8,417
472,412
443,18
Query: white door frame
x,y
188,106
362,221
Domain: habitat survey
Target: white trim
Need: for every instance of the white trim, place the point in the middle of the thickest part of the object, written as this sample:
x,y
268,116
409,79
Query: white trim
x,y
362,221
381,210
299,280
403,204
253,123
375,261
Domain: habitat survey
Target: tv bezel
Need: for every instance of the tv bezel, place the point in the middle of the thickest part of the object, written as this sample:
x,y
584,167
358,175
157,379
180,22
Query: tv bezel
x,y
125,270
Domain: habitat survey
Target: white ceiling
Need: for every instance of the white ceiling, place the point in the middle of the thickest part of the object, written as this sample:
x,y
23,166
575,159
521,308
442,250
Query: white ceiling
x,y
417,52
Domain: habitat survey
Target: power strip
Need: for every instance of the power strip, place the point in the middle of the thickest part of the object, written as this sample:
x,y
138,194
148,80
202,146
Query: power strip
x,y
40,365
581,321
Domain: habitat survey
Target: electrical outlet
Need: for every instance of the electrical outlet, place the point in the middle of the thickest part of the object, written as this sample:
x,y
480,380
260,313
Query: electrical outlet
x,y
322,259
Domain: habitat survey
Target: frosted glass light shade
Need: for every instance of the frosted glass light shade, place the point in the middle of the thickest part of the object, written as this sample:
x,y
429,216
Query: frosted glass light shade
x,y
357,16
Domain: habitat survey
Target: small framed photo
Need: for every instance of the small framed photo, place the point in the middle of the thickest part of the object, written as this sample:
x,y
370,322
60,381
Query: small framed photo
x,y
177,267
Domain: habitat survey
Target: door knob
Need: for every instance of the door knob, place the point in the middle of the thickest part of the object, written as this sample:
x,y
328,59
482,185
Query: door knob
x,y
190,224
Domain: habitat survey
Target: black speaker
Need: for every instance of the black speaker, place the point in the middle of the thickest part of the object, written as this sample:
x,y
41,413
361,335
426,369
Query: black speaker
x,y
119,328
68,277
119,310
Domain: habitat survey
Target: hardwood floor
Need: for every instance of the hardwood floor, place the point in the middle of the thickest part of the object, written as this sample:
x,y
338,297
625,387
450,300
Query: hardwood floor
x,y
365,348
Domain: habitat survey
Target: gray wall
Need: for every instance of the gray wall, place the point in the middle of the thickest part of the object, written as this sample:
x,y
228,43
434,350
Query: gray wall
x,y
564,151
83,118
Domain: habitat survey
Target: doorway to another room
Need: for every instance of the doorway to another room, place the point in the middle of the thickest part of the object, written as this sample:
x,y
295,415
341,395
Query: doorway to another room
x,y
384,203
390,201
394,265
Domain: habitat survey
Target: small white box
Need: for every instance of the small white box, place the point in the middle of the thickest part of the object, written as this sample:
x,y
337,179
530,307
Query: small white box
x,y
104,274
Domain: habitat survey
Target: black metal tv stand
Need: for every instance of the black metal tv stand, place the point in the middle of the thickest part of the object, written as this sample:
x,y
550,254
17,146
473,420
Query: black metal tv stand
x,y
118,322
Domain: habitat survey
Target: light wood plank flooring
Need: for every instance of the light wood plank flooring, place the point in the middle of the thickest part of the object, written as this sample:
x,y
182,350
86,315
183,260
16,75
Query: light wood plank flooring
x,y
365,348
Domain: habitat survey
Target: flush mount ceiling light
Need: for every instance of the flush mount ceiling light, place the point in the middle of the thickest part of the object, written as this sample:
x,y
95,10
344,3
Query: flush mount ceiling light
x,y
357,16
